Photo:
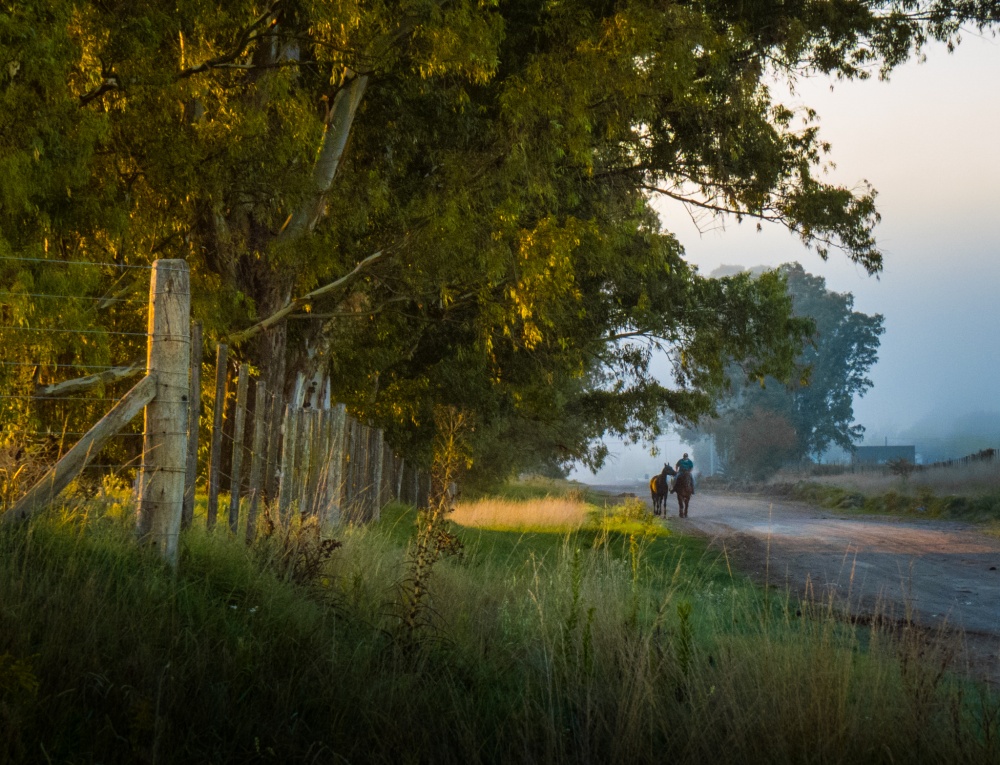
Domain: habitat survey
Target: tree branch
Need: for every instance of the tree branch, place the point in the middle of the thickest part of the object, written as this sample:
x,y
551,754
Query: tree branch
x,y
110,83
297,303
86,383
246,37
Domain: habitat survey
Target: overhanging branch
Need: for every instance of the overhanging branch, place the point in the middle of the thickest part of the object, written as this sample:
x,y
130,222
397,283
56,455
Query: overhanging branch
x,y
297,303
86,383
247,36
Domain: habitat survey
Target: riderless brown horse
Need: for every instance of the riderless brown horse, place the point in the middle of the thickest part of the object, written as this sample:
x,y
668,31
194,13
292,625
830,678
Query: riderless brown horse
x,y
683,488
659,487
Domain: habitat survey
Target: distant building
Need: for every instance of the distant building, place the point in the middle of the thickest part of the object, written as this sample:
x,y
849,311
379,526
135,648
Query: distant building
x,y
879,455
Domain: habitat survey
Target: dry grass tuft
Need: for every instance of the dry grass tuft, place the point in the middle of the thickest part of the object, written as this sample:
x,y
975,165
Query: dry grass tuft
x,y
975,478
563,513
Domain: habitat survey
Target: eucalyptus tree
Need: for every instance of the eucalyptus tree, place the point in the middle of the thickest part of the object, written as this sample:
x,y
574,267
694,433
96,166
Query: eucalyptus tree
x,y
444,200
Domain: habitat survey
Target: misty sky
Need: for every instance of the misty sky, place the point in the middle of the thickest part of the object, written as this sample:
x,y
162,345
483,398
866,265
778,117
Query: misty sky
x,y
929,142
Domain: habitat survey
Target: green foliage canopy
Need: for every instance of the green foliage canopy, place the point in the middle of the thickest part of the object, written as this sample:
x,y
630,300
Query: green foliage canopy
x,y
501,157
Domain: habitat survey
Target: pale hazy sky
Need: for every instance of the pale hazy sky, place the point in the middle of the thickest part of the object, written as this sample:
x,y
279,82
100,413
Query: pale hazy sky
x,y
928,140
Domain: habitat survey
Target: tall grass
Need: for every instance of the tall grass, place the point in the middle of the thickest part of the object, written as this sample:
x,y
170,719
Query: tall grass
x,y
596,644
966,492
968,479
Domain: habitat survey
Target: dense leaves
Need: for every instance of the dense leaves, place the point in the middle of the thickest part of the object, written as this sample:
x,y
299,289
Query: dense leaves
x,y
501,158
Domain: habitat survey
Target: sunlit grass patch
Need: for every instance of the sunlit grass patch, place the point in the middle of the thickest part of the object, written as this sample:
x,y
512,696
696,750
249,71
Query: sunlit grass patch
x,y
545,514
559,515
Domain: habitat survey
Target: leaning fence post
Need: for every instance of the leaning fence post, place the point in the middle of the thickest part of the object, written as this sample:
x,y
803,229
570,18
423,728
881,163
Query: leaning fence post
x,y
215,455
164,452
194,413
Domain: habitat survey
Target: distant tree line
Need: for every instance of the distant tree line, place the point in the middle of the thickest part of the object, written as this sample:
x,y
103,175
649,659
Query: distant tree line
x,y
765,423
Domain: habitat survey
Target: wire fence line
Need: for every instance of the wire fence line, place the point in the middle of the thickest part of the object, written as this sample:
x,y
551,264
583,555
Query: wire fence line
x,y
47,365
247,447
53,296
91,263
55,330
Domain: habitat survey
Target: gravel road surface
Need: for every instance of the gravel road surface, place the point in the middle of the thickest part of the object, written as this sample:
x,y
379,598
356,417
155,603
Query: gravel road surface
x,y
938,572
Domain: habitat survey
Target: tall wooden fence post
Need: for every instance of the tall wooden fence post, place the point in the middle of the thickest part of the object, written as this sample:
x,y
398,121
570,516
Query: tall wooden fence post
x,y
243,382
286,478
257,461
335,468
194,413
164,461
215,450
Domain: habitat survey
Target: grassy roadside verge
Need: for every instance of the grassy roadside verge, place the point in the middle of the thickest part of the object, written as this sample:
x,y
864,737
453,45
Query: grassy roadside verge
x,y
916,501
603,640
969,493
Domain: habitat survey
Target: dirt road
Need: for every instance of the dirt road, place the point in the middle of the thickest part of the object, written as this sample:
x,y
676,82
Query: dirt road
x,y
943,572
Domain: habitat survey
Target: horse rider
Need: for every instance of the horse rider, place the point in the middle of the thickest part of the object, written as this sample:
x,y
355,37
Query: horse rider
x,y
685,465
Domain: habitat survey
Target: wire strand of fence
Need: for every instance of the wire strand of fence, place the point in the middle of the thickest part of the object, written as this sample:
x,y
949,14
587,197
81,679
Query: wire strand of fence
x,y
112,466
47,365
136,301
56,398
82,331
75,262
60,434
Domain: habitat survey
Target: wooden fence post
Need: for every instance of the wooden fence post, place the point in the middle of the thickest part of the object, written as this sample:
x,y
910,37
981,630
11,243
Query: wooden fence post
x,y
270,487
165,443
215,454
238,428
399,479
257,462
335,468
377,456
194,415
286,480
306,458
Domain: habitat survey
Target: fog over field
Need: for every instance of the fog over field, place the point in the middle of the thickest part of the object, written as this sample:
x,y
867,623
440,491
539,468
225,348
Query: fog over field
x,y
926,140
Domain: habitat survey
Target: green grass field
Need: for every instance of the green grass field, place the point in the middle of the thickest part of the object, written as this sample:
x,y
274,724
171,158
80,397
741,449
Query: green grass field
x,y
592,635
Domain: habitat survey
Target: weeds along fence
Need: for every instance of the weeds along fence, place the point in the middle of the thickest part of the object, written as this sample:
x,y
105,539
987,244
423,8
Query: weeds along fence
x,y
252,447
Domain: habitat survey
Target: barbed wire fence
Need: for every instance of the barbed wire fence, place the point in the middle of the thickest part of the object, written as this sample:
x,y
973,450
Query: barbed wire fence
x,y
248,447
43,408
